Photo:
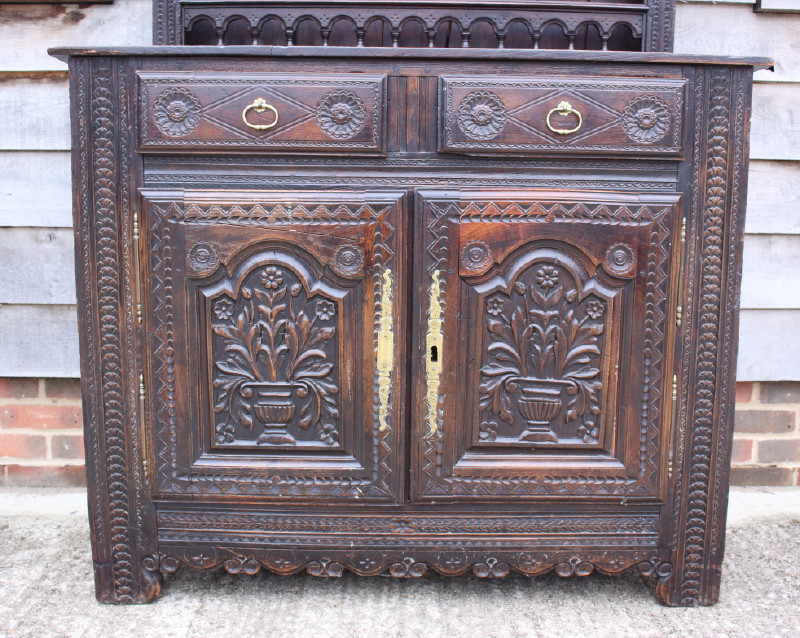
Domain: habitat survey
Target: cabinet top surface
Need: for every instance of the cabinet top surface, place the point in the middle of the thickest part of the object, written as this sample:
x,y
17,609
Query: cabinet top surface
x,y
411,53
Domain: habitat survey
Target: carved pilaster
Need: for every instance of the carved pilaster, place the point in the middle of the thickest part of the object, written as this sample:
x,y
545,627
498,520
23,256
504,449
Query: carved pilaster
x,y
109,369
712,298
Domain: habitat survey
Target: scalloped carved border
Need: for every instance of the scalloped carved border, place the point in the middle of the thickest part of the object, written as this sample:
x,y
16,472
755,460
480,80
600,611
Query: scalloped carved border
x,y
402,565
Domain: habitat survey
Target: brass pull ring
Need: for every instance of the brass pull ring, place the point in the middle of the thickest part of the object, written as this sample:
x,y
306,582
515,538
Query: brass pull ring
x,y
564,108
259,106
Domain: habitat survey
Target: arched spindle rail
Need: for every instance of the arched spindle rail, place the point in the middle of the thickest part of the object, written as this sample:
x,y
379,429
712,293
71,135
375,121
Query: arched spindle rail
x,y
618,27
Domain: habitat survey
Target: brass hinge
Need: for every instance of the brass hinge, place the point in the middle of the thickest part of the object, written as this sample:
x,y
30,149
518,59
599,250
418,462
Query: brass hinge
x,y
679,307
671,454
137,276
141,387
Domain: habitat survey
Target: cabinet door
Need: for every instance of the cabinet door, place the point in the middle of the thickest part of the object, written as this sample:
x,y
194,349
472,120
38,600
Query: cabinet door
x,y
543,323
273,323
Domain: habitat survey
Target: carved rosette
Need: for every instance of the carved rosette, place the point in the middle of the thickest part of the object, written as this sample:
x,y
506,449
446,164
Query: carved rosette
x,y
646,119
341,114
620,259
348,260
482,115
476,256
176,112
202,257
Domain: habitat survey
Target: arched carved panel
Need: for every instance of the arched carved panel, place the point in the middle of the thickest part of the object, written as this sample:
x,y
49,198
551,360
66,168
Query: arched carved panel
x,y
547,328
275,333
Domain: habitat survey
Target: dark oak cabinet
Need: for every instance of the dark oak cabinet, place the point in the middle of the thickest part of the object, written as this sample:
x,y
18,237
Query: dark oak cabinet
x,y
391,311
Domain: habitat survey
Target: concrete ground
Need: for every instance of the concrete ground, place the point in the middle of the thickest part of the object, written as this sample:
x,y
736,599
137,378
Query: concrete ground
x,y
46,590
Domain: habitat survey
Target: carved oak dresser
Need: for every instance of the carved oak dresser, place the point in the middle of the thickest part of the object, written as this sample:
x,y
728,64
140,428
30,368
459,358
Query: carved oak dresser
x,y
392,310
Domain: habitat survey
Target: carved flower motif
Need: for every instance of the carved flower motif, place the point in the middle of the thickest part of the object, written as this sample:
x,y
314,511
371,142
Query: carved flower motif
x,y
488,431
476,255
547,276
176,112
482,115
620,259
224,308
646,119
495,306
341,114
595,309
325,310
349,260
271,278
202,257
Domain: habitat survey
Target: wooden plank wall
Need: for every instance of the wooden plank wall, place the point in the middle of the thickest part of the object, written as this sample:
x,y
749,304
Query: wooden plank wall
x,y
37,313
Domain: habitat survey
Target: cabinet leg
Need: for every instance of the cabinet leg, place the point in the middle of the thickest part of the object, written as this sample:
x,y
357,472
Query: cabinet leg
x,y
703,591
126,588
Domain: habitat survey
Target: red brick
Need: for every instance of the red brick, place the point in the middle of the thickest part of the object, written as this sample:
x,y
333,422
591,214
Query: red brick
x,y
62,388
780,392
765,421
779,451
744,392
742,450
44,476
65,446
17,388
22,446
40,416
749,475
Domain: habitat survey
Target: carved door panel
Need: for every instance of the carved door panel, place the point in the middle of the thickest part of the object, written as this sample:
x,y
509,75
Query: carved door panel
x,y
274,369
543,323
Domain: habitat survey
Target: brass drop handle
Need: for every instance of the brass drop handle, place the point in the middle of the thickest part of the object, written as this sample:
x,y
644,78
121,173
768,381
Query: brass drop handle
x,y
259,106
564,108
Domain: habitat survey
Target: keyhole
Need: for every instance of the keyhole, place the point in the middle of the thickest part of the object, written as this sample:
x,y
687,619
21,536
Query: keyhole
x,y
434,353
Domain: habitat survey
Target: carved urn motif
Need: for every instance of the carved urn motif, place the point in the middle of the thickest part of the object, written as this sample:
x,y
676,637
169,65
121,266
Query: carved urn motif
x,y
271,403
539,403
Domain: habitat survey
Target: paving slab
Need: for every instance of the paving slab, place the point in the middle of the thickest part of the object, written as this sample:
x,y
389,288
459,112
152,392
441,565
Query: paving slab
x,y
46,589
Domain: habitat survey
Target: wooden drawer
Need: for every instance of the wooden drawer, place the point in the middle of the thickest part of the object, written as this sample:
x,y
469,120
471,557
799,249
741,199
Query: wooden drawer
x,y
580,116
320,114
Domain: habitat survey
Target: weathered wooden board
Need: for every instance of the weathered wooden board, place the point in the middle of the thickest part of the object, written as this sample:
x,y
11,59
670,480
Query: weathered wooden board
x,y
37,266
27,31
734,29
773,198
778,6
35,189
38,341
770,278
775,132
765,352
34,115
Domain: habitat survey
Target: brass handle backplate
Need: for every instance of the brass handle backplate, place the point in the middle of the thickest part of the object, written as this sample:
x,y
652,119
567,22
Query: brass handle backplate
x,y
564,108
259,106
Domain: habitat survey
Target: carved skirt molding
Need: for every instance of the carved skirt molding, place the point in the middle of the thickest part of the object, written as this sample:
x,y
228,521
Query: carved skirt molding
x,y
279,373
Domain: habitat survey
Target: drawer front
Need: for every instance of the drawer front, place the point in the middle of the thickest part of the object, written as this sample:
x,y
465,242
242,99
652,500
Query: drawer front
x,y
640,117
322,114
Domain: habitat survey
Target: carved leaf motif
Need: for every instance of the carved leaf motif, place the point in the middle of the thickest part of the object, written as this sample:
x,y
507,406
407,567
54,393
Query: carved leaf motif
x,y
541,331
273,339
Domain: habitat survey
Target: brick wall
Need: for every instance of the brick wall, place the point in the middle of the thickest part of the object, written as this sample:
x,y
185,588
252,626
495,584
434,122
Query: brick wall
x,y
41,432
41,442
